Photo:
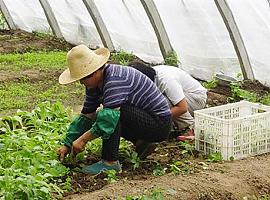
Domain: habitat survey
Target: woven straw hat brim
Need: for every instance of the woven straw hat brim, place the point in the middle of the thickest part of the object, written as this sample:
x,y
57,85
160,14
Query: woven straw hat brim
x,y
102,56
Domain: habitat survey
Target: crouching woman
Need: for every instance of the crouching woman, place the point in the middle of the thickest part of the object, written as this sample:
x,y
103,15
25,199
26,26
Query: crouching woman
x,y
133,108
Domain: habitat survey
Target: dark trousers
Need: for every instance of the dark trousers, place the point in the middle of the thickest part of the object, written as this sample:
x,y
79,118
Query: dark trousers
x,y
135,124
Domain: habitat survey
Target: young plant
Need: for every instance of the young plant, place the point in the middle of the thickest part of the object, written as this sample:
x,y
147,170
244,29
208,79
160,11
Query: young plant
x,y
187,148
156,194
29,168
241,94
172,59
135,160
3,23
210,84
266,99
111,176
214,157
175,167
122,57
159,170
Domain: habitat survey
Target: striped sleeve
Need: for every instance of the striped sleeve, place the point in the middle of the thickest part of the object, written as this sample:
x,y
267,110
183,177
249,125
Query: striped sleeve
x,y
91,101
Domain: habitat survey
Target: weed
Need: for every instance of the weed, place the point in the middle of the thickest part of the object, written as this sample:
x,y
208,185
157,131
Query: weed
x,y
122,57
214,157
135,160
240,94
266,99
159,170
210,84
253,197
94,146
231,158
172,59
156,194
188,148
175,167
111,176
125,148
3,23
42,35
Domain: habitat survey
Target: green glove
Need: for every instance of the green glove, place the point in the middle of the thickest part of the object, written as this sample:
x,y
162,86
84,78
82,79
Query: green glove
x,y
106,122
78,126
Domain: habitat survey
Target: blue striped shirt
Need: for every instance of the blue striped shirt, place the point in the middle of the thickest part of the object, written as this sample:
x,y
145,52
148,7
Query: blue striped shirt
x,y
126,85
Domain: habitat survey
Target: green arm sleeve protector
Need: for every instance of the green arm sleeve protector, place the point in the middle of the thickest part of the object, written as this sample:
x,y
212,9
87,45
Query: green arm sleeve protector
x,y
78,126
106,122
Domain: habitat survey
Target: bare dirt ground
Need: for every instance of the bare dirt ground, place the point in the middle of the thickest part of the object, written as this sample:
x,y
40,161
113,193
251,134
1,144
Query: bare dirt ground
x,y
21,42
230,180
199,179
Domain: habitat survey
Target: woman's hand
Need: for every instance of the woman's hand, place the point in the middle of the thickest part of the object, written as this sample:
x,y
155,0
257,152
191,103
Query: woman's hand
x,y
62,152
77,146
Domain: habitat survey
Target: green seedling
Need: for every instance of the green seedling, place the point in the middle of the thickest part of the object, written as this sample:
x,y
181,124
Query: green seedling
x,y
135,160
214,157
187,148
254,197
125,148
210,84
122,57
266,99
172,59
3,23
111,176
175,167
29,168
159,170
156,194
241,94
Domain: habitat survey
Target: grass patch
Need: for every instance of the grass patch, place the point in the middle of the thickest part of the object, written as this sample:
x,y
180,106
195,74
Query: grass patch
x,y
172,59
266,99
36,60
26,95
122,57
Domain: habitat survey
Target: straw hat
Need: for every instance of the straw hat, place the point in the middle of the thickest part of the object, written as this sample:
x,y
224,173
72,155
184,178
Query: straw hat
x,y
82,62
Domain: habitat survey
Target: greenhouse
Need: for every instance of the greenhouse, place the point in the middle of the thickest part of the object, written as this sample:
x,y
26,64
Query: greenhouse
x,y
193,116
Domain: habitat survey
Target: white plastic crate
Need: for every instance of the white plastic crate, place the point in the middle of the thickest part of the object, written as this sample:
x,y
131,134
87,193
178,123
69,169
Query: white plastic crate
x,y
236,130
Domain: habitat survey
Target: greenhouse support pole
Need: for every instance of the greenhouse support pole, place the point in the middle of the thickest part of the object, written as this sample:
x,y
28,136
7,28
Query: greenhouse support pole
x,y
155,19
236,38
7,15
51,18
99,23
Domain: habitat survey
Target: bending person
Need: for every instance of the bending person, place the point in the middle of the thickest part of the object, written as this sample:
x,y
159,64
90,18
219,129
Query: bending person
x,y
133,108
184,93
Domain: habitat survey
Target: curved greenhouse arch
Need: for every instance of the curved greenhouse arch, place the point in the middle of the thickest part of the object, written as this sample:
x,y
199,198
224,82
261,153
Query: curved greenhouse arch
x,y
153,29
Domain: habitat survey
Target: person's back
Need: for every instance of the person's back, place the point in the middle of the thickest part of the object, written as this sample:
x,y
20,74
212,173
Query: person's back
x,y
126,85
184,93
167,74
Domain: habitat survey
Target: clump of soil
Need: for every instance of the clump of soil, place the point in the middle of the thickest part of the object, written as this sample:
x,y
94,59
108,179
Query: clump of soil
x,y
29,75
255,87
218,96
21,42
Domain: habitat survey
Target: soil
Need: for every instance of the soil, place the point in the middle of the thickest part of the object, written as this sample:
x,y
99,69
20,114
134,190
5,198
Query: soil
x,y
229,180
21,42
198,179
